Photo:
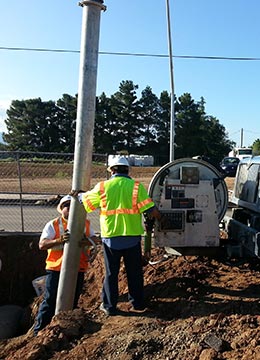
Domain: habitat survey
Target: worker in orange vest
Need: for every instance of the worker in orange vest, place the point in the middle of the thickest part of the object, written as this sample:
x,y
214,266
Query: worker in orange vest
x,y
52,239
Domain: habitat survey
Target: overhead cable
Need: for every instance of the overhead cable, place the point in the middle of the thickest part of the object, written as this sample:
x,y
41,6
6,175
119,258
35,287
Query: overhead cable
x,y
134,54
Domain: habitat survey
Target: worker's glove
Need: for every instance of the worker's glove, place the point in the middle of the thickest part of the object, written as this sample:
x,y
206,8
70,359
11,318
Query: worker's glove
x,y
64,238
75,193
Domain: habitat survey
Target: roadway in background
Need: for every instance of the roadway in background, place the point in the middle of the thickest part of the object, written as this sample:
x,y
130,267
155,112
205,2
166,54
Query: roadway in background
x,y
35,217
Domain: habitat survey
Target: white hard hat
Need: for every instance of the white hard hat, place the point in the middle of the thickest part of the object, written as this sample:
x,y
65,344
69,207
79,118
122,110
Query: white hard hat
x,y
118,161
65,198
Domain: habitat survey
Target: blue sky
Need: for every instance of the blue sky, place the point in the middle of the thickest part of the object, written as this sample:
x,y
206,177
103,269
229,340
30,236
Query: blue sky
x,y
199,28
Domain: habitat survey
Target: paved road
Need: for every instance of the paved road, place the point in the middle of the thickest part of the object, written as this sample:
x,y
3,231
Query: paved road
x,y
33,217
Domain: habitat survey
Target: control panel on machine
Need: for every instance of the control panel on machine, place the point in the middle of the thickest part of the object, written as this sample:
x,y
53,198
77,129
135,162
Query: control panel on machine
x,y
188,197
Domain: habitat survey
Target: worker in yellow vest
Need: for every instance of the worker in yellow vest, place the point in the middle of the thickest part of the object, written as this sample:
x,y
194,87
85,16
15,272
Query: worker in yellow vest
x,y
122,201
52,239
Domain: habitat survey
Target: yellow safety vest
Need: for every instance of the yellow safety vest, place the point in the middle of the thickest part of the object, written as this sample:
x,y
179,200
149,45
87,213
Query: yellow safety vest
x,y
121,201
54,257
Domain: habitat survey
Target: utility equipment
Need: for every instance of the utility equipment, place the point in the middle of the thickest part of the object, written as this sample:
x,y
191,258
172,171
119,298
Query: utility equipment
x,y
192,196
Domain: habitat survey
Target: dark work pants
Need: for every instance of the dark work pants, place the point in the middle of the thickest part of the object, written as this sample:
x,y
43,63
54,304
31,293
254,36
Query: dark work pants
x,y
48,305
133,264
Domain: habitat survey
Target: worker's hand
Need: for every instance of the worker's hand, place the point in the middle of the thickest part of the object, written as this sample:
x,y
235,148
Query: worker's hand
x,y
97,239
85,242
75,193
64,238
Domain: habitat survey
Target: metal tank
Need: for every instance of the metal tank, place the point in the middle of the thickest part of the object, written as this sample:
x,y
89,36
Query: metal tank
x,y
192,196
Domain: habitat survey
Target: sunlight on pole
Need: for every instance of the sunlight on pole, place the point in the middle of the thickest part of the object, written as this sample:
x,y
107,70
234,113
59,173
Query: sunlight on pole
x,y
172,122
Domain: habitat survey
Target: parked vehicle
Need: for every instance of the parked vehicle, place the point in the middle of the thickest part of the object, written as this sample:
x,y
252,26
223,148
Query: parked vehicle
x,y
229,165
241,152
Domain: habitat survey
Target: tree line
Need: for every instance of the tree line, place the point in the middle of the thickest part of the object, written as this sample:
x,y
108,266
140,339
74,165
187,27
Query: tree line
x,y
123,123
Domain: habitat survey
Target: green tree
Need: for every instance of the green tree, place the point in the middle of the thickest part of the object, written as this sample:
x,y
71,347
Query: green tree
x,y
256,147
105,130
148,119
125,109
188,127
3,147
36,125
123,123
198,133
32,126
216,142
67,113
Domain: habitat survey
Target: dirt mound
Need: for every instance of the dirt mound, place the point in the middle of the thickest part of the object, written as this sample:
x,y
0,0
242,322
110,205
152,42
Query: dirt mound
x,y
198,308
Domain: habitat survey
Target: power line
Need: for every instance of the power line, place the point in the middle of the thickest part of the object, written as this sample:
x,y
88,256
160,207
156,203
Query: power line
x,y
133,54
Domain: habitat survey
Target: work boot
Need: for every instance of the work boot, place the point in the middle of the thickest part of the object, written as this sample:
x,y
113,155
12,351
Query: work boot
x,y
108,312
139,309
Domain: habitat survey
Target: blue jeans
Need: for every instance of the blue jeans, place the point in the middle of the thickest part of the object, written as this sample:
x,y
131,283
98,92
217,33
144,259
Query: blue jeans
x,y
133,265
48,305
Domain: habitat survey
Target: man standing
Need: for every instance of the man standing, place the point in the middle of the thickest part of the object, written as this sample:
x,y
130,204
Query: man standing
x,y
53,237
122,201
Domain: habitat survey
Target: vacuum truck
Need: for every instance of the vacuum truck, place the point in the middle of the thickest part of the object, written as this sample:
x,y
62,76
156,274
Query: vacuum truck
x,y
199,217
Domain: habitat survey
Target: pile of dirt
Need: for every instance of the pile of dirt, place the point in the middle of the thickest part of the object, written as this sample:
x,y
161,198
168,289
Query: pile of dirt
x,y
198,309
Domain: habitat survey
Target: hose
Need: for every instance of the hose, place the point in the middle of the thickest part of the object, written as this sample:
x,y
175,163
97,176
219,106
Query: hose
x,y
164,258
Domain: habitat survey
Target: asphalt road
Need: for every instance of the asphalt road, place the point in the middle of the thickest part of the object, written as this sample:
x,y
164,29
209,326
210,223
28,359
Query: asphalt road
x,y
33,218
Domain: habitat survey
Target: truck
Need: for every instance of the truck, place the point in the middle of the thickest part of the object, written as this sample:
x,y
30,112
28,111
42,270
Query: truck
x,y
241,152
199,217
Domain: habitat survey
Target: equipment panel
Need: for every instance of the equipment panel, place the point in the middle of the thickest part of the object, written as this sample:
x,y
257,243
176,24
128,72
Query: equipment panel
x,y
192,198
173,220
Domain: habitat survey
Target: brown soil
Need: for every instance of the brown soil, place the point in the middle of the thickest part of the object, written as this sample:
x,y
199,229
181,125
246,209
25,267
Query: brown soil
x,y
199,308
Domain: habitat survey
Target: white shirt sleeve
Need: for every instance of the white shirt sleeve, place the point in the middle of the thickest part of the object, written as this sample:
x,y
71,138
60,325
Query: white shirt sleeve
x,y
48,231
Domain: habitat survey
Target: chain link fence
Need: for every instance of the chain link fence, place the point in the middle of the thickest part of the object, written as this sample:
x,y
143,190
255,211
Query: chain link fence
x,y
32,184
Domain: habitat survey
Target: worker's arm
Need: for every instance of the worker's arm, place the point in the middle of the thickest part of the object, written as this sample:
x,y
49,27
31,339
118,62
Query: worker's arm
x,y
153,213
85,241
45,244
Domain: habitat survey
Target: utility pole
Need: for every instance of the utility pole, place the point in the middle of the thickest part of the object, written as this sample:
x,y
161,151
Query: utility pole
x,y
83,149
172,122
242,138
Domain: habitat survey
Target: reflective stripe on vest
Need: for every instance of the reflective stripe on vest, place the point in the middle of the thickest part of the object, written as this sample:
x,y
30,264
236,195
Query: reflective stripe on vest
x,y
135,205
103,199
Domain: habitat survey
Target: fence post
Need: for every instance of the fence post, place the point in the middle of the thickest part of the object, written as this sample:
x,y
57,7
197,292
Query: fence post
x,y
20,188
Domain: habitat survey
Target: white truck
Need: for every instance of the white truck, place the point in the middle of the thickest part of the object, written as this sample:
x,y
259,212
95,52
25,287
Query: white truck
x,y
241,152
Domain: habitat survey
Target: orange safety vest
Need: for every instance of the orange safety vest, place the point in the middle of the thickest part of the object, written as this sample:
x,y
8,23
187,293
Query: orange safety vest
x,y
54,257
